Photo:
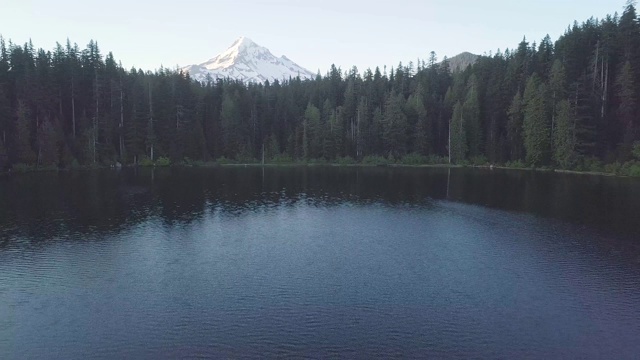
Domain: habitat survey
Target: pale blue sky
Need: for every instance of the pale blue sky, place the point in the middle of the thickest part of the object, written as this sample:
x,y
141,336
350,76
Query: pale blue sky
x,y
146,34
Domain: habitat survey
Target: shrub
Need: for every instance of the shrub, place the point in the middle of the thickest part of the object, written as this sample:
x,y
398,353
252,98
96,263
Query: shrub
x,y
479,160
391,158
437,160
626,168
163,161
75,164
636,150
634,170
320,161
145,161
52,167
593,164
613,168
414,159
347,160
21,167
223,161
518,164
281,159
374,160
246,158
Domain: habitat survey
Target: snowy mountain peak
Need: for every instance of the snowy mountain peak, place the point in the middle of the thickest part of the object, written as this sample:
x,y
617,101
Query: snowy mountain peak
x,y
242,43
249,62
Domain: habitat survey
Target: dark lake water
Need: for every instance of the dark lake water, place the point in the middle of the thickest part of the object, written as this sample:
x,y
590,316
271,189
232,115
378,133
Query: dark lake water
x,y
319,263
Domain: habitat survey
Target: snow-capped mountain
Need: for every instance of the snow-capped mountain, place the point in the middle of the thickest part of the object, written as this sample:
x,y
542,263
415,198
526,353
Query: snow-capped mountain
x,y
249,62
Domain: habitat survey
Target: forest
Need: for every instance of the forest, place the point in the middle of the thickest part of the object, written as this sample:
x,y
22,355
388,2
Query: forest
x,y
569,104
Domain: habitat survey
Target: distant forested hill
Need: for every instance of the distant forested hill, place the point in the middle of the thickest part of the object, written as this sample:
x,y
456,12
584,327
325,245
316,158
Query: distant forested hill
x,y
461,61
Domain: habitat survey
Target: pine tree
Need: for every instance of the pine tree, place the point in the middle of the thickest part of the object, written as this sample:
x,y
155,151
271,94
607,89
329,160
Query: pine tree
x,y
564,135
458,135
334,139
557,88
311,124
471,108
47,144
625,91
536,128
515,127
630,32
230,118
22,142
422,138
5,116
395,126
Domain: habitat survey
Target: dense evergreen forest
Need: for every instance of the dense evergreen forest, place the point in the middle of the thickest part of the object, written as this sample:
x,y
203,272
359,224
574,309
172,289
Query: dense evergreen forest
x,y
572,104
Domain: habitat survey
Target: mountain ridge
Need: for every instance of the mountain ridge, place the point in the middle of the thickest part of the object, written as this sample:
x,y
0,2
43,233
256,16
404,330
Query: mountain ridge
x,y
462,60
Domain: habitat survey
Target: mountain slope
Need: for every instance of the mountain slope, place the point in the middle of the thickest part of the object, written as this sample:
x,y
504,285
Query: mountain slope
x,y
249,62
461,61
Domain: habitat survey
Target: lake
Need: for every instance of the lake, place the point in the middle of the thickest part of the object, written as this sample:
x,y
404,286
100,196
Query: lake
x,y
319,262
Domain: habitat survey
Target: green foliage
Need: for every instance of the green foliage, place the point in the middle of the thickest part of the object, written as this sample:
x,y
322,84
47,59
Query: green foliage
x,y
395,127
558,82
75,164
47,145
536,123
281,159
198,163
320,161
634,170
517,164
636,150
613,168
187,161
471,117
437,160
22,168
375,160
590,164
163,161
417,116
480,160
515,127
51,167
311,133
222,160
630,168
563,135
414,159
346,160
458,135
145,162
626,93
246,158
25,153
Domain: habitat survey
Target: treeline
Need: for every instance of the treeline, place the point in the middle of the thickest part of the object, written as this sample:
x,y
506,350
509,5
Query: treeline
x,y
570,104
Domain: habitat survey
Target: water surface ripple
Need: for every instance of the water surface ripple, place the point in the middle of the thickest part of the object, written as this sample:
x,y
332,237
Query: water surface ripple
x,y
318,263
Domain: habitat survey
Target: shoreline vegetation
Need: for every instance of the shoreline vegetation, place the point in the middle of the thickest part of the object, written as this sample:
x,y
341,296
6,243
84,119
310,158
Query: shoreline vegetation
x,y
630,169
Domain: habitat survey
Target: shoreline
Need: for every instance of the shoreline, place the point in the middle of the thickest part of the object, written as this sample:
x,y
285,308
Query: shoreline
x,y
302,164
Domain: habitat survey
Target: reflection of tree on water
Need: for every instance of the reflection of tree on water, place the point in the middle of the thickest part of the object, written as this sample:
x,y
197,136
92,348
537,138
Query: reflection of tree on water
x,y
448,181
42,206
